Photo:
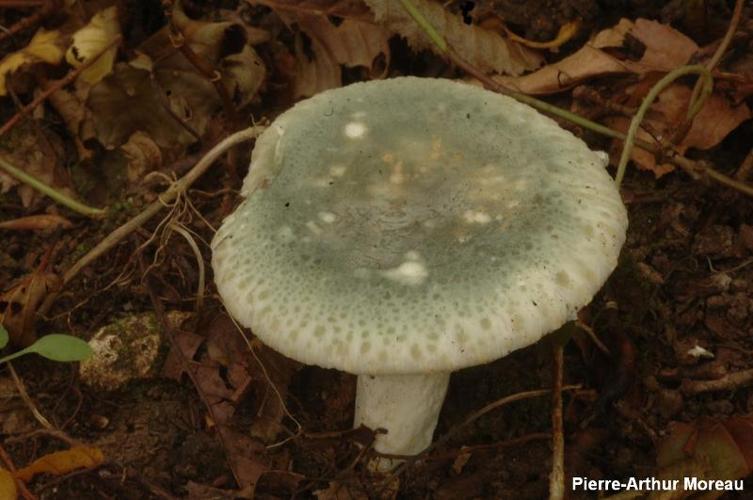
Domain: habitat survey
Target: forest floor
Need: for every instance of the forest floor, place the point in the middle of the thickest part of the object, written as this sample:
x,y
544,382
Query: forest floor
x,y
132,103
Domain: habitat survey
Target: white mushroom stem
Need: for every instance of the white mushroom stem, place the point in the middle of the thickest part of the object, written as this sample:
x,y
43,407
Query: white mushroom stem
x,y
406,406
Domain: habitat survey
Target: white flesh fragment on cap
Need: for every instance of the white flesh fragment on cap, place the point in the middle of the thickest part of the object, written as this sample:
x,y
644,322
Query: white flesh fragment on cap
x,y
406,406
416,225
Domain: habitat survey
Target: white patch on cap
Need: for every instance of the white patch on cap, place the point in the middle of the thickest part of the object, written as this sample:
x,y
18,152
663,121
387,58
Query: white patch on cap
x,y
408,273
327,217
337,170
473,217
355,130
311,225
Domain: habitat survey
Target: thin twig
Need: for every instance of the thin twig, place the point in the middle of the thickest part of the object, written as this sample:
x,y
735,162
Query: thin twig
x,y
557,476
175,189
731,29
745,168
180,229
50,191
658,87
697,95
29,402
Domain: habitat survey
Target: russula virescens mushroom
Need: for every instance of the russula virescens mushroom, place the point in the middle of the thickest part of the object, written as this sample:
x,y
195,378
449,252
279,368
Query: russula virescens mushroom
x,y
406,228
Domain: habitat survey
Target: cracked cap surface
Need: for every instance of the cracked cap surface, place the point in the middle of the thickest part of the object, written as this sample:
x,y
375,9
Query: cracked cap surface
x,y
414,225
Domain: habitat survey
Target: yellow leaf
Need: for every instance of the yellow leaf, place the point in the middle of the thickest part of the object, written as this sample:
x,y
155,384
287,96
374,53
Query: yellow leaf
x,y
63,462
42,48
91,40
7,485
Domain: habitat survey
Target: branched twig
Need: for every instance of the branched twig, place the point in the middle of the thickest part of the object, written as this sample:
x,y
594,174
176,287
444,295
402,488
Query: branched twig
x,y
167,197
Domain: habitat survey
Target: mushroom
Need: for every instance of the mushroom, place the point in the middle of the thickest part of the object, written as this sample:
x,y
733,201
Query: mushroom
x,y
406,228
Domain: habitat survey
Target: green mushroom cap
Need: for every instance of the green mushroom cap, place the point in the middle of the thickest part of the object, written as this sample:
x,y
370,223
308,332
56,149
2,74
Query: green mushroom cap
x,y
415,225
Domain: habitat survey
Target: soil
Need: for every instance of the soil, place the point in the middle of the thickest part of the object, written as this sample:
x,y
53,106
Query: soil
x,y
684,282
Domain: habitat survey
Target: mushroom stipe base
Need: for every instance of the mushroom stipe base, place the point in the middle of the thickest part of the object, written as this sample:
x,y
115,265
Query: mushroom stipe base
x,y
406,406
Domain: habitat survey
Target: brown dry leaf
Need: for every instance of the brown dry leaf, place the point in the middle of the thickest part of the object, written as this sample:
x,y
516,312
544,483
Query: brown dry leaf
x,y
666,49
18,305
588,62
130,101
143,156
63,462
43,47
707,449
39,152
339,491
90,41
483,48
8,488
714,122
243,75
273,373
42,222
354,42
246,457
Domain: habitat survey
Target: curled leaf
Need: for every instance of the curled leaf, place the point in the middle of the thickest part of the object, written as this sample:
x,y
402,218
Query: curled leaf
x,y
7,485
63,462
43,47
483,48
91,40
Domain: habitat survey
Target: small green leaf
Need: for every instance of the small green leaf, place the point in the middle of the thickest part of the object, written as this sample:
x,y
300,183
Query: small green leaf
x,y
3,336
59,347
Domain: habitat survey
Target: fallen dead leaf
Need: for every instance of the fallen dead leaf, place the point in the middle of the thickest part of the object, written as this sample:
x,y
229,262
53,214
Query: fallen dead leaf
x,y
43,47
246,457
90,41
352,43
483,48
143,156
19,305
714,122
39,152
42,222
130,100
665,49
340,491
62,462
8,488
